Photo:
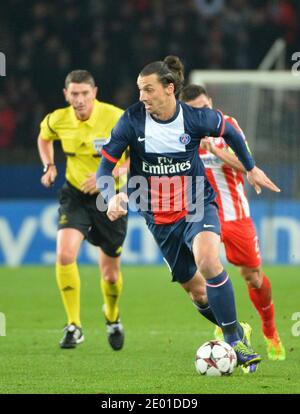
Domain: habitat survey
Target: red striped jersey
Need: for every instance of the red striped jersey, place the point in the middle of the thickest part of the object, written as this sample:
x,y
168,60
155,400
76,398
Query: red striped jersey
x,y
227,182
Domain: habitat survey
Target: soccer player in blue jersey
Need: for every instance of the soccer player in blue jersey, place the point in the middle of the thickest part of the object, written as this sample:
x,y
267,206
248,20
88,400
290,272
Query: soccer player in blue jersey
x,y
163,136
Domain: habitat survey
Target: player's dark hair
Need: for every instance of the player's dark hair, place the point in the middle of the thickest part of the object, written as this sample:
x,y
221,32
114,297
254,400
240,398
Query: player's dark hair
x,y
170,70
191,92
79,76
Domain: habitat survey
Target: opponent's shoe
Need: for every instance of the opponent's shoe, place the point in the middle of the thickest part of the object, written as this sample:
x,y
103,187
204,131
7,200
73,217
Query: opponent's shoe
x,y
275,349
218,334
72,337
250,369
115,333
247,333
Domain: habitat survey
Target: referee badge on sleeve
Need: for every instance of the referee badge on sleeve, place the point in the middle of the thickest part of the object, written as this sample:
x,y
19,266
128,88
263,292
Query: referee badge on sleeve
x,y
99,142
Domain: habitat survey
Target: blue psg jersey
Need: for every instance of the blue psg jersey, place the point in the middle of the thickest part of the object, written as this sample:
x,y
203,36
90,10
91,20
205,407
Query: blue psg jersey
x,y
165,149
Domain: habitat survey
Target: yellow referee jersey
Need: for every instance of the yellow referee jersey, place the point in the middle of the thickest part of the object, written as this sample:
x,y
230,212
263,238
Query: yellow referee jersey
x,y
82,140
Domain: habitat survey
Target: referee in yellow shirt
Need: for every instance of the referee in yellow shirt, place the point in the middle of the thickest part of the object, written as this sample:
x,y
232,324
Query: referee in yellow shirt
x,y
82,128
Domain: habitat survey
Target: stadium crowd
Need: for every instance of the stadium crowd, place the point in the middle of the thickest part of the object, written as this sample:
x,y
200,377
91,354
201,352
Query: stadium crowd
x,y
44,40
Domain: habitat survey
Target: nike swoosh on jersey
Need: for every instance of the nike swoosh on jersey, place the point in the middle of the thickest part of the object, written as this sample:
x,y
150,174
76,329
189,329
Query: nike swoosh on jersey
x,y
141,139
220,120
208,225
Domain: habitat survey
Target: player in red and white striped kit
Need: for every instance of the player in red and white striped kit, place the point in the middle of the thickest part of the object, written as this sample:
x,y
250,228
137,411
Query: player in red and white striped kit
x,y
225,173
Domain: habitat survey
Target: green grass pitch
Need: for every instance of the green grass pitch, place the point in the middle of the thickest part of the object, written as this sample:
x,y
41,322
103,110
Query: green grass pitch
x,y
163,331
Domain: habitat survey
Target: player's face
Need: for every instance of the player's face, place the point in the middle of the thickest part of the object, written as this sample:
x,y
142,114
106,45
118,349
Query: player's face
x,y
81,96
155,96
202,101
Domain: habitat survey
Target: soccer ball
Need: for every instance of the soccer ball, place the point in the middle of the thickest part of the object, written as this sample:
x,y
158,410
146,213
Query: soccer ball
x,y
215,358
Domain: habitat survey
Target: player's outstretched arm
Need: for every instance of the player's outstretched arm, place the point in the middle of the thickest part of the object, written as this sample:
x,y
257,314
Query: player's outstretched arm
x,y
256,177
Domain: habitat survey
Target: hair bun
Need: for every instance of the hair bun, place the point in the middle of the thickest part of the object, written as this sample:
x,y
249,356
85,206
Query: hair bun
x,y
173,62
175,65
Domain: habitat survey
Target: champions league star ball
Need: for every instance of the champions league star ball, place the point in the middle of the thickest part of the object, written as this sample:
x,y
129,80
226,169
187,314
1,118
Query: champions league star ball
x,y
215,358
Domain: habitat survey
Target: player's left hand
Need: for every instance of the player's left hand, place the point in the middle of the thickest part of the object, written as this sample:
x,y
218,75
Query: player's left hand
x,y
89,185
257,178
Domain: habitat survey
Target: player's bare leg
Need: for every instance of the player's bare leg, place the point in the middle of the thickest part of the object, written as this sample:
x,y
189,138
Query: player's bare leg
x,y
111,286
196,289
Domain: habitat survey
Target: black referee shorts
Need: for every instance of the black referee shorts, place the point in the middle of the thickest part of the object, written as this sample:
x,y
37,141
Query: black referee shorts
x,y
78,211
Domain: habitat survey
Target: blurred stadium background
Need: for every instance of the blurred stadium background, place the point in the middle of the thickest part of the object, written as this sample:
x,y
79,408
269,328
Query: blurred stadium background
x,y
43,41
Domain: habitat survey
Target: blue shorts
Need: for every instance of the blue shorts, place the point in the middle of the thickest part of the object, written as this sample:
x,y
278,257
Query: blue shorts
x,y
176,242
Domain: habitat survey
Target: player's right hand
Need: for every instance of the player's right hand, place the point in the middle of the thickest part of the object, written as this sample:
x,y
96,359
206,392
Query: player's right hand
x,y
117,206
49,177
257,178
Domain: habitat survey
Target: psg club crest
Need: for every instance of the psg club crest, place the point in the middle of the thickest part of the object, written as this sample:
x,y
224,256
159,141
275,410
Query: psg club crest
x,y
185,139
